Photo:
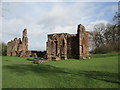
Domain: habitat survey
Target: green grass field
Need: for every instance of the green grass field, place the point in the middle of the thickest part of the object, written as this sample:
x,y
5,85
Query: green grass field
x,y
101,71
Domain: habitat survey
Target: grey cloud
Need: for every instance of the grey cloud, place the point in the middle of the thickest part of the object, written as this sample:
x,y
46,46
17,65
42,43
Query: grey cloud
x,y
59,18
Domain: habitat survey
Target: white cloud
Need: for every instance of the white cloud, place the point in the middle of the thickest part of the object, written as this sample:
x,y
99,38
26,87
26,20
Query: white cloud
x,y
62,16
90,26
66,29
41,20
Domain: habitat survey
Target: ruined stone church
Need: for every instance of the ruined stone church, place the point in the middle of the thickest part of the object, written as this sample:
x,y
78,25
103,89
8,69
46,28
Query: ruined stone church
x,y
68,46
59,46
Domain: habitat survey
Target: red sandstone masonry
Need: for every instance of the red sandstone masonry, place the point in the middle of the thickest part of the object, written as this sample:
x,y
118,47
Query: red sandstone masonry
x,y
18,47
68,46
59,46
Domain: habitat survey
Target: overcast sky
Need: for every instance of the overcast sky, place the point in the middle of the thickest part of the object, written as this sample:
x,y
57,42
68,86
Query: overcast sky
x,y
44,18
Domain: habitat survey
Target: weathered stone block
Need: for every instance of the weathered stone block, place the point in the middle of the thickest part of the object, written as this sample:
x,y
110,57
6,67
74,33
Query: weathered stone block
x,y
66,46
17,47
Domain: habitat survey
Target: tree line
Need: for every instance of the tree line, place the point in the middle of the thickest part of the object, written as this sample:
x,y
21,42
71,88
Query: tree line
x,y
106,37
3,49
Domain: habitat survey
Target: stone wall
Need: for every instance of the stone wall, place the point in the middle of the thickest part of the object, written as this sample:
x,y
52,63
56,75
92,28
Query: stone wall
x,y
59,46
40,54
83,42
18,47
68,46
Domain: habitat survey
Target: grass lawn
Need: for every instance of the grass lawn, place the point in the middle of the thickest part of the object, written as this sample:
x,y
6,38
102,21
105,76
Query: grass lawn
x,y
0,73
101,71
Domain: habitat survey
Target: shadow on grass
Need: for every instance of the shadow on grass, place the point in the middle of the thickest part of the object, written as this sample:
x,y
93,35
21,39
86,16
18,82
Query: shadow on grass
x,y
29,59
45,70
103,76
36,68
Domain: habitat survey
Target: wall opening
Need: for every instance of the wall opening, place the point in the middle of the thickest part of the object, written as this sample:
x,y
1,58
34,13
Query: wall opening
x,y
56,49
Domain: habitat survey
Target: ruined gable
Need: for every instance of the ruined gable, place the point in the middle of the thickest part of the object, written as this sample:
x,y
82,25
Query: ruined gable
x,y
18,47
83,42
66,46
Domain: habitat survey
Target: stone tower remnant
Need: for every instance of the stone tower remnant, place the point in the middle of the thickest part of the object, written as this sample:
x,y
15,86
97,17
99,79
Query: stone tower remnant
x,y
68,46
18,47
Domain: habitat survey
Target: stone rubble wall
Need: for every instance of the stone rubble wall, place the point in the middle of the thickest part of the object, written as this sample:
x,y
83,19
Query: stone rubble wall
x,y
59,46
18,47
68,46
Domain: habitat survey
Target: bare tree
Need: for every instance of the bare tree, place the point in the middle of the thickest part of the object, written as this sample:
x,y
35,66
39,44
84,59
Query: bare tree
x,y
98,37
107,37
